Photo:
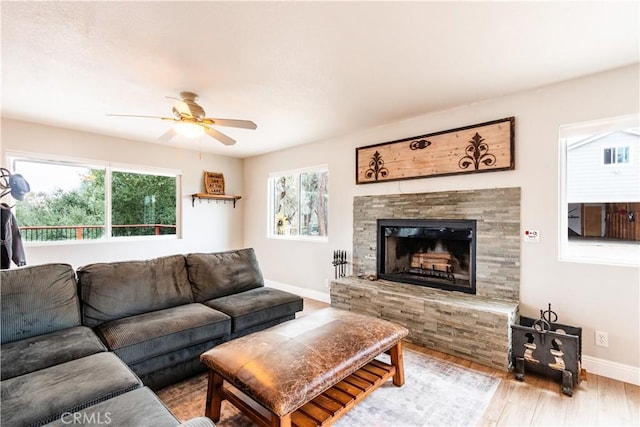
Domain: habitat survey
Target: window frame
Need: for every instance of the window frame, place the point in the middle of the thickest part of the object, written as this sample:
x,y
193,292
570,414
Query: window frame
x,y
109,167
271,214
602,252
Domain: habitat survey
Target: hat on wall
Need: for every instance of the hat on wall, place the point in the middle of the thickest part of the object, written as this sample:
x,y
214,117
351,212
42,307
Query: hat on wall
x,y
14,184
19,186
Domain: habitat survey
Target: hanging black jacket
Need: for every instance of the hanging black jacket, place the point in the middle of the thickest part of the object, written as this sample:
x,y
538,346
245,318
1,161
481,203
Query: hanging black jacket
x,y
11,242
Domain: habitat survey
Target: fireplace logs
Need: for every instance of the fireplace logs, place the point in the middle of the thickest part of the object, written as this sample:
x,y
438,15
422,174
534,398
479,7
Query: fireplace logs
x,y
439,261
434,264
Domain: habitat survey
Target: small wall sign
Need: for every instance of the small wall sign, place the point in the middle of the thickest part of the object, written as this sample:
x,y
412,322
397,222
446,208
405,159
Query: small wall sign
x,y
484,147
214,183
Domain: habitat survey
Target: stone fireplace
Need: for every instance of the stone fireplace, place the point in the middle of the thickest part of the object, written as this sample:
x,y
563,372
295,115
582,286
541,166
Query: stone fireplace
x,y
472,325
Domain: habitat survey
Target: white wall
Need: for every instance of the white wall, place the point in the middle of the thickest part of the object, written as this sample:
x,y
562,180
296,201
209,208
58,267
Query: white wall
x,y
601,297
207,227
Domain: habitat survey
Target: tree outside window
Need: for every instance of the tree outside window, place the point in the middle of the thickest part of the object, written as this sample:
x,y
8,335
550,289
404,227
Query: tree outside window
x,y
142,204
68,201
299,203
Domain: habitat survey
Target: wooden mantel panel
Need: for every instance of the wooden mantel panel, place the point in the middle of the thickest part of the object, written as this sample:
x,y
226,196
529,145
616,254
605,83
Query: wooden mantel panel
x,y
478,148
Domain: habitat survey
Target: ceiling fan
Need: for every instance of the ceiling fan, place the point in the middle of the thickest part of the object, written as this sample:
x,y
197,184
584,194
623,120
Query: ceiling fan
x,y
190,120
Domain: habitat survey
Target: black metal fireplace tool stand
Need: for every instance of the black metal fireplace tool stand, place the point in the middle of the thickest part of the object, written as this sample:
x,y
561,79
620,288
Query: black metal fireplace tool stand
x,y
340,263
548,348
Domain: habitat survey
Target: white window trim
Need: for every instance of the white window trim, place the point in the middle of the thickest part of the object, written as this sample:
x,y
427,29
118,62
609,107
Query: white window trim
x,y
108,166
602,252
298,171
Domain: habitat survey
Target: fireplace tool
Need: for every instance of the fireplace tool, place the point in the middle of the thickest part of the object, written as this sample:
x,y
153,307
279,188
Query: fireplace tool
x,y
339,263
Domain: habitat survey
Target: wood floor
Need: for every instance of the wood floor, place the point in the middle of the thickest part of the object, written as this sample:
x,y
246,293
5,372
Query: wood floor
x,y
596,401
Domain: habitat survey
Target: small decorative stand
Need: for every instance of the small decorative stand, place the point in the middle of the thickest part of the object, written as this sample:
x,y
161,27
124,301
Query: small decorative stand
x,y
339,263
548,348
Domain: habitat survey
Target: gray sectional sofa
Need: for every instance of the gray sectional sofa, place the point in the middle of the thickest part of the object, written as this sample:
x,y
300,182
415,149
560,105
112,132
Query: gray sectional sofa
x,y
100,339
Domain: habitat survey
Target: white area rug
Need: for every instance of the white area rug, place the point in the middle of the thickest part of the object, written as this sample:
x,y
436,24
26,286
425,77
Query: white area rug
x,y
435,393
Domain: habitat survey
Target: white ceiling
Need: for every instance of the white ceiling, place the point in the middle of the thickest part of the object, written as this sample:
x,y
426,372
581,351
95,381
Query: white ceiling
x,y
303,71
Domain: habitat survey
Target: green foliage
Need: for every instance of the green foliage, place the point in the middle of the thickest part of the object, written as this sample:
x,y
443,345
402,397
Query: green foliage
x,y
142,199
82,206
313,198
136,199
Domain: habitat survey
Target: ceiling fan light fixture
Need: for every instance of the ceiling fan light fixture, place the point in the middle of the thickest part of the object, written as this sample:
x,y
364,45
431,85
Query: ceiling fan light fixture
x,y
189,130
190,122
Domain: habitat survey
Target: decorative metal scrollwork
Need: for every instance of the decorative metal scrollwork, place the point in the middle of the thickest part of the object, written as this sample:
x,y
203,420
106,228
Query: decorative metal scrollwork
x,y
419,144
477,153
376,167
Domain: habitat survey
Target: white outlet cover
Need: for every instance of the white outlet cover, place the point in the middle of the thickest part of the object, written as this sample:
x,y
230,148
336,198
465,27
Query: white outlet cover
x,y
531,236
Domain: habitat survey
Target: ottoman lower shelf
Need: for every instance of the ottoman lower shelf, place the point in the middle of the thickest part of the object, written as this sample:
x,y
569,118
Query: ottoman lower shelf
x,y
328,406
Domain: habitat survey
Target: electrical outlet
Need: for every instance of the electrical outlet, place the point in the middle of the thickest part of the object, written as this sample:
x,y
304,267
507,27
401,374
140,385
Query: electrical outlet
x,y
602,339
326,283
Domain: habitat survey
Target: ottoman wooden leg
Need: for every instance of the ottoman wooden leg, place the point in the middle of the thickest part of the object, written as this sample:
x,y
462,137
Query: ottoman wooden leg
x,y
284,421
396,360
214,396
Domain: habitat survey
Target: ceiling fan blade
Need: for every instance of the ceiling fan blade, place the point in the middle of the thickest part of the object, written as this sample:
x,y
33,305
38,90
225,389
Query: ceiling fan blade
x,y
183,108
219,136
144,117
166,137
245,124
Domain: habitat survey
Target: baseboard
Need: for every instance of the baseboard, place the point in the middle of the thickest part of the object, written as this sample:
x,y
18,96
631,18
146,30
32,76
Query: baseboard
x,y
617,371
304,293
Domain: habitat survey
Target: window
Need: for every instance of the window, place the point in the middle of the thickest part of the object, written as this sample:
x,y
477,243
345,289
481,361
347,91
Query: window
x,y
600,205
614,155
299,204
78,200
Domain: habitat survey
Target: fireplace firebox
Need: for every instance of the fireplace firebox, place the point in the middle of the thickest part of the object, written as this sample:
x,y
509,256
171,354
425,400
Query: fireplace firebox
x,y
434,253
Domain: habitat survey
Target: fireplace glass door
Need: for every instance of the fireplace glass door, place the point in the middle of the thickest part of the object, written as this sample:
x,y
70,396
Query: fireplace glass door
x,y
434,253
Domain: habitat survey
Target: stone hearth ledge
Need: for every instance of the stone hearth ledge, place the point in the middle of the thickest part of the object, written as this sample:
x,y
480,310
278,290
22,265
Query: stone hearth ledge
x,y
472,327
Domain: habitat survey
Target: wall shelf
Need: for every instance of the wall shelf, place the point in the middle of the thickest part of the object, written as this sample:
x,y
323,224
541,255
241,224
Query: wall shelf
x,y
217,197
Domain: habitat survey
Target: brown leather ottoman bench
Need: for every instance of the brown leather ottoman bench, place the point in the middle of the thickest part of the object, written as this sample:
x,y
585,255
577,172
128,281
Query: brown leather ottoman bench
x,y
307,371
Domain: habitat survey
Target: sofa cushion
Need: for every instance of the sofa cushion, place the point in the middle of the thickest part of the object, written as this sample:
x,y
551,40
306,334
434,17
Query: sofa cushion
x,y
43,396
37,300
256,306
144,336
139,408
111,291
173,367
43,351
219,274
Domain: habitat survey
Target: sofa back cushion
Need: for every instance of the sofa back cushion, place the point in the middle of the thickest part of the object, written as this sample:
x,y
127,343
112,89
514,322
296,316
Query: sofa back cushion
x,y
37,300
111,291
216,275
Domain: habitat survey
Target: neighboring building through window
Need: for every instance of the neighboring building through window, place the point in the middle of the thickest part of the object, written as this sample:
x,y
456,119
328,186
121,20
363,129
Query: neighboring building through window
x,y
600,195
78,200
299,203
